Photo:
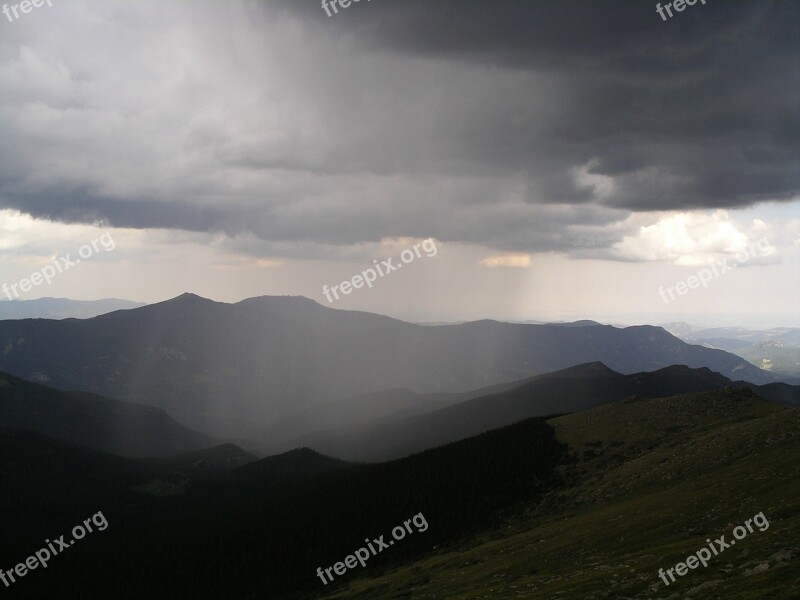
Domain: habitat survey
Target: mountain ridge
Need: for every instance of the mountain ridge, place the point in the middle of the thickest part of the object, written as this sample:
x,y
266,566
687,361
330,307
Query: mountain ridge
x,y
62,308
94,422
230,369
570,390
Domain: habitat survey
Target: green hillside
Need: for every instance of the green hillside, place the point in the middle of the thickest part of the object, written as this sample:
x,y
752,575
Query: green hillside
x,y
649,481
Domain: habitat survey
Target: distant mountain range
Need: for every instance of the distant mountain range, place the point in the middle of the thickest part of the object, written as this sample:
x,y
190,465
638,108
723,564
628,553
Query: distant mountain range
x,y
738,337
775,350
571,390
61,308
234,369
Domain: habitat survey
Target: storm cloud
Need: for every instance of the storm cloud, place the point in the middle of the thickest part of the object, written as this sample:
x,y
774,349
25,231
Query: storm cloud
x,y
519,126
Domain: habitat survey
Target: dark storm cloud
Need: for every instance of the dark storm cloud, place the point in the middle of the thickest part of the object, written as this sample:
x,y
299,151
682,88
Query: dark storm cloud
x,y
625,37
523,126
700,111
82,206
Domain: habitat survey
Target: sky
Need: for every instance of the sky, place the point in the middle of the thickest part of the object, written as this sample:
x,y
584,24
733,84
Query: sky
x,y
567,160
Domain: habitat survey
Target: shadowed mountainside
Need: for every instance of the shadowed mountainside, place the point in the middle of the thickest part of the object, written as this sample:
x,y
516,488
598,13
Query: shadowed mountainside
x,y
570,390
588,505
121,428
261,529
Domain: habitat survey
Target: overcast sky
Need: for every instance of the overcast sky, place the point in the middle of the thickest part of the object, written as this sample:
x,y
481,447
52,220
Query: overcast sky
x,y
568,158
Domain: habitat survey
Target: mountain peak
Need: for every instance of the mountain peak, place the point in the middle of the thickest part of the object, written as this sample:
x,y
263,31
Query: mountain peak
x,y
583,323
263,299
590,369
189,297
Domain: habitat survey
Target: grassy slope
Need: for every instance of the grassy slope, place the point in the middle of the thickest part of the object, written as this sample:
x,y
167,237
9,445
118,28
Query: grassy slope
x,y
651,481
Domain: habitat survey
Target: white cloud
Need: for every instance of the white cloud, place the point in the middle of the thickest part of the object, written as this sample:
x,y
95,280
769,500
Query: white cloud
x,y
688,239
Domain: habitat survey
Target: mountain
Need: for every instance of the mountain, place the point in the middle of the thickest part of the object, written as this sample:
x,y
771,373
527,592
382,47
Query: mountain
x,y
567,391
62,308
774,356
54,482
389,405
301,464
266,526
588,505
583,323
790,336
647,484
91,421
775,350
233,369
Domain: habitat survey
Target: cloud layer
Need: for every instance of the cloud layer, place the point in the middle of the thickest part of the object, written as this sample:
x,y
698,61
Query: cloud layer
x,y
519,126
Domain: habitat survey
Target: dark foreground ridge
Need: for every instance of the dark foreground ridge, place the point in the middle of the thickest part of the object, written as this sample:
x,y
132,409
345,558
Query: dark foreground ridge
x,y
265,528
